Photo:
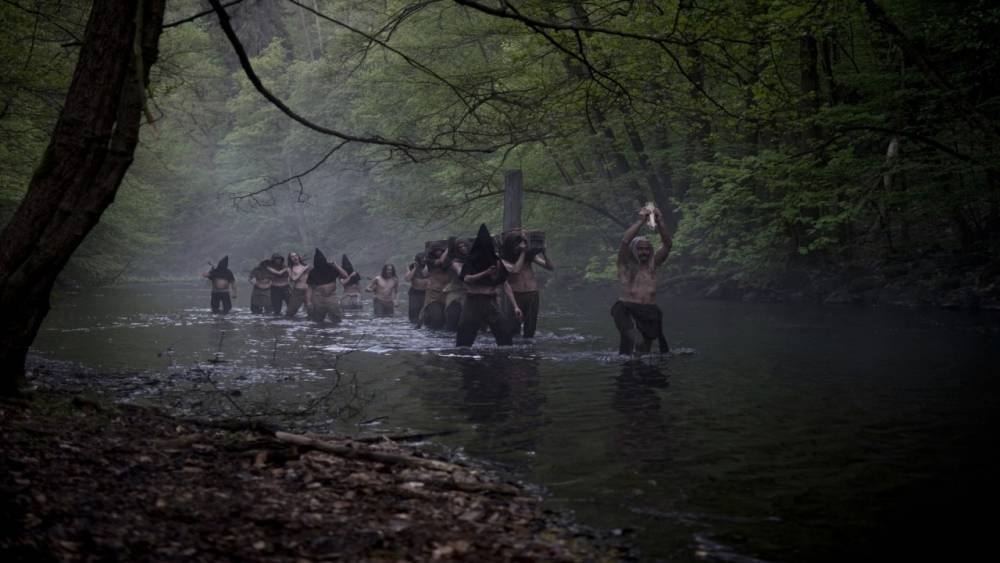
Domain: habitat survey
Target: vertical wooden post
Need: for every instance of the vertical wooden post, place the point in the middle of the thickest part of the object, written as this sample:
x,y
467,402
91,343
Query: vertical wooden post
x,y
513,199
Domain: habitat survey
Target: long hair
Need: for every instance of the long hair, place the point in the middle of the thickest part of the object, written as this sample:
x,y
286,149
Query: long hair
x,y
509,248
289,259
385,269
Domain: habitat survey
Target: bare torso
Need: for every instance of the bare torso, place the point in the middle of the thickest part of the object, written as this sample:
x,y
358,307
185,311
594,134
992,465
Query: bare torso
x,y
385,289
437,278
638,282
300,273
524,280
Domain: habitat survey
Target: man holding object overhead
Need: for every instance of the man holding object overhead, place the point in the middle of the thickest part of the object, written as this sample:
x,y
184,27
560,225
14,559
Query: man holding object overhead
x,y
638,318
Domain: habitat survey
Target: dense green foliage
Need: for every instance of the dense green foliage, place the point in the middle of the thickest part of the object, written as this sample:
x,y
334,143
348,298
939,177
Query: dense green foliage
x,y
781,137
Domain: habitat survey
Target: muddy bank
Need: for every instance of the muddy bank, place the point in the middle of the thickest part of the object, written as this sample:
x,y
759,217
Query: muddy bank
x,y
84,480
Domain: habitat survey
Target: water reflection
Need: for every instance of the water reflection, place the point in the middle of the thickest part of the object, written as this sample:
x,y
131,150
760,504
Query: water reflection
x,y
502,398
642,431
795,434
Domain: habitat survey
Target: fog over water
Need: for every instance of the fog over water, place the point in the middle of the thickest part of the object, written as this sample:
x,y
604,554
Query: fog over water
x,y
774,432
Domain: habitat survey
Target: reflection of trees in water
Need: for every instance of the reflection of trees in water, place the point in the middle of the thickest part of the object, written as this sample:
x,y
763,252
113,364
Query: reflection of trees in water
x,y
500,396
641,433
503,399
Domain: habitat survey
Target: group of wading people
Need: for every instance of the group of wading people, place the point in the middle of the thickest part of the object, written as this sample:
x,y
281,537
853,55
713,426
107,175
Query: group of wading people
x,y
461,285
279,286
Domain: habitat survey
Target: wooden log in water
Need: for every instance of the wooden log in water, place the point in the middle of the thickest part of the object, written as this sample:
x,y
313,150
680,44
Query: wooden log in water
x,y
513,199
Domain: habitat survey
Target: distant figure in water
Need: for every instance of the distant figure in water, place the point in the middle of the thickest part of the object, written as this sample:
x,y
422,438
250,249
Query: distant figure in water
x,y
638,318
485,275
260,297
298,274
437,275
321,290
385,286
518,260
279,283
455,290
418,285
352,285
223,282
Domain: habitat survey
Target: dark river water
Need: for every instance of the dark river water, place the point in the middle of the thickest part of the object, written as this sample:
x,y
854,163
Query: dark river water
x,y
774,433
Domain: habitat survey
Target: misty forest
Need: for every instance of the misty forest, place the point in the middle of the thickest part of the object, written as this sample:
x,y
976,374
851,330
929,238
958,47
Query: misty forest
x,y
296,280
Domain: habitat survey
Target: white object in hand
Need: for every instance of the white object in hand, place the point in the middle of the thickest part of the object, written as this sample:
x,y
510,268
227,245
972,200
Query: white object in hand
x,y
651,218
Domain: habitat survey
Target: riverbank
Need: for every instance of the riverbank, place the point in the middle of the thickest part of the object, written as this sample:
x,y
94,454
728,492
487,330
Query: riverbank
x,y
85,479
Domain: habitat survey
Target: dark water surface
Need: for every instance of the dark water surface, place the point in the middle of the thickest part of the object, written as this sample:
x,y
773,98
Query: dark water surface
x,y
777,433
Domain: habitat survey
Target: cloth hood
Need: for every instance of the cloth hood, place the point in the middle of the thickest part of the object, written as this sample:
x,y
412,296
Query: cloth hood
x,y
322,271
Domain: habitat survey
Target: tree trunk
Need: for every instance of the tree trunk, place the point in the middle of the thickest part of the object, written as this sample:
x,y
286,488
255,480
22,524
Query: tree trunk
x,y
91,148
809,84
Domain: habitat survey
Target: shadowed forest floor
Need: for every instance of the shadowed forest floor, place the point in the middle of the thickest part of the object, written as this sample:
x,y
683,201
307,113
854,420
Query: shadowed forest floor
x,y
82,480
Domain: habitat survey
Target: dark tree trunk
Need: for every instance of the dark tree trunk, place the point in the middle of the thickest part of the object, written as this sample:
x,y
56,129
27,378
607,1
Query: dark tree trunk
x,y
809,84
90,150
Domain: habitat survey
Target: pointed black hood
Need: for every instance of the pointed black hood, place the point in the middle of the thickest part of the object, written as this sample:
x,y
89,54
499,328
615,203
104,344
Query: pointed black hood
x,y
482,255
322,272
352,276
221,270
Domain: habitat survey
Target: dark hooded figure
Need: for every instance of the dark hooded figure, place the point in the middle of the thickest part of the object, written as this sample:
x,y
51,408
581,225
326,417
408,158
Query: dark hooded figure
x,y
223,282
638,318
519,261
485,277
418,286
321,289
352,285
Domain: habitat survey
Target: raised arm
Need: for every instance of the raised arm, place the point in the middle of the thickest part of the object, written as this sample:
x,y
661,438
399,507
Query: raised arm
x,y
544,261
371,286
661,255
341,273
441,259
516,266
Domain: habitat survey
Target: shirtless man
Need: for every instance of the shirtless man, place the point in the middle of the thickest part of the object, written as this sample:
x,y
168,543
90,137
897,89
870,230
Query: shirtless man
x,y
223,282
522,278
260,298
455,290
418,285
298,274
483,284
636,314
437,275
279,283
321,290
352,285
385,286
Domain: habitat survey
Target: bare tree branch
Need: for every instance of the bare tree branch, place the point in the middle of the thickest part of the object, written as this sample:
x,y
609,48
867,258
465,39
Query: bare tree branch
x,y
406,147
198,15
298,176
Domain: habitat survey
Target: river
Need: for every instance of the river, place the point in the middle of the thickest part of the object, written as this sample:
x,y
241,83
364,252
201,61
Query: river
x,y
774,433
